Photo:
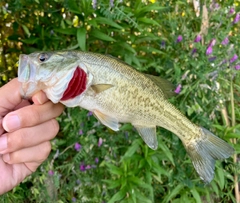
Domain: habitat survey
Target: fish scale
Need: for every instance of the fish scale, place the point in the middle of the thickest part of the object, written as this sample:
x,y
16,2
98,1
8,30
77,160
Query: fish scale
x,y
131,93
117,93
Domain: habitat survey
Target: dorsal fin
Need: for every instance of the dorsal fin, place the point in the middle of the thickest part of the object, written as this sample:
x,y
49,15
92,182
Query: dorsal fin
x,y
166,86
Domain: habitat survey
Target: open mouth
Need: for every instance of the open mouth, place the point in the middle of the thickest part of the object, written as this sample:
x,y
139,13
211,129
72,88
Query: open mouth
x,y
26,75
77,85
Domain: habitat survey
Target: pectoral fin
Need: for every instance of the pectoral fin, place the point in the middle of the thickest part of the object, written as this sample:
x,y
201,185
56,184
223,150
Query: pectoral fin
x,y
100,87
149,136
107,120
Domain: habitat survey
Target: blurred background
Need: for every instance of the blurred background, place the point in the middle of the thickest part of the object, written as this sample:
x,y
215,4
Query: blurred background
x,y
192,43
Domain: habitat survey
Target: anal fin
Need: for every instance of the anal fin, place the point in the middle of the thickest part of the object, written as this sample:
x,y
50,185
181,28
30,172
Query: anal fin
x,y
148,134
107,120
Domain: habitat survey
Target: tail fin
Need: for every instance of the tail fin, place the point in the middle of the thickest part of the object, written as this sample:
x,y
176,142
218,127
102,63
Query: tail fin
x,y
206,151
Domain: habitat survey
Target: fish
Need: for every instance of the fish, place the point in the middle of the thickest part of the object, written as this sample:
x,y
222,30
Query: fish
x,y
117,93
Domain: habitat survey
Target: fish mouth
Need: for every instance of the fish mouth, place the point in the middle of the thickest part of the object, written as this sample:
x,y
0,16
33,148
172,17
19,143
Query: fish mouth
x,y
26,75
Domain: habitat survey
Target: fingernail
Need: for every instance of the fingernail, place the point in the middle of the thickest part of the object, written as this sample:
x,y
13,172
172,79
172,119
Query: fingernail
x,y
11,122
39,99
3,143
6,157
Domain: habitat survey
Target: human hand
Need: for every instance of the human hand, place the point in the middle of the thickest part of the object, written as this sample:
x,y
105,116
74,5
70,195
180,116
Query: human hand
x,y
25,133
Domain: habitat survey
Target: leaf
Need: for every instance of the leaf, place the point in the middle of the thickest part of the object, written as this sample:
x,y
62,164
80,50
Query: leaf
x,y
142,198
232,135
113,183
132,149
118,196
140,183
151,50
127,47
136,61
108,21
100,35
148,21
196,195
73,7
68,31
113,169
166,151
81,38
30,40
220,179
145,9
73,47
215,188
26,30
173,193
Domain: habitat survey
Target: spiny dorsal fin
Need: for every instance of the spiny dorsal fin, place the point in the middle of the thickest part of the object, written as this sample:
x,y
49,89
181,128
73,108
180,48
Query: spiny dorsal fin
x,y
100,87
148,134
166,86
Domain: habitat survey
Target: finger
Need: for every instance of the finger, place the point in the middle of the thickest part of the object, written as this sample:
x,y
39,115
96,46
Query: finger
x,y
11,175
31,115
22,104
36,154
28,137
1,127
39,98
9,96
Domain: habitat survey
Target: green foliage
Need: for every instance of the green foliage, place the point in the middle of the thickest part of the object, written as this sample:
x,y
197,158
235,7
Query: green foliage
x,y
144,35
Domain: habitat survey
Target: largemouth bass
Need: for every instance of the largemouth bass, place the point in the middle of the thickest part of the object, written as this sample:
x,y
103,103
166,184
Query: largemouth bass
x,y
116,93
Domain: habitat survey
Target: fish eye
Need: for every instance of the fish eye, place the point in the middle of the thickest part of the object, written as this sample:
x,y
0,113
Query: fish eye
x,y
43,57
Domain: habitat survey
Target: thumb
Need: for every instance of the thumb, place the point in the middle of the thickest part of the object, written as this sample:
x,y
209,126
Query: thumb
x,y
9,96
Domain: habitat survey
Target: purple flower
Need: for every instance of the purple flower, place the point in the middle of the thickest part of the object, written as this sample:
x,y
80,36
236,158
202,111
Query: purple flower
x,y
234,58
237,18
217,6
80,132
225,41
89,113
212,58
214,6
237,67
163,44
74,199
112,3
179,38
96,160
50,172
100,141
209,50
194,51
198,38
88,167
231,10
178,89
94,4
77,146
82,167
212,43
